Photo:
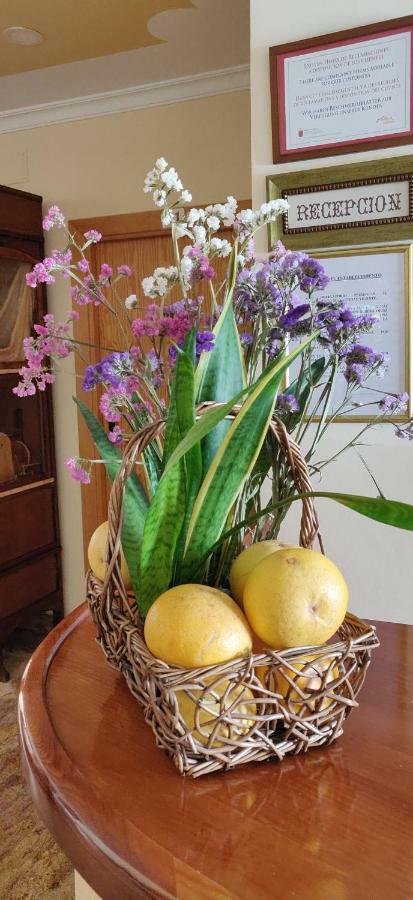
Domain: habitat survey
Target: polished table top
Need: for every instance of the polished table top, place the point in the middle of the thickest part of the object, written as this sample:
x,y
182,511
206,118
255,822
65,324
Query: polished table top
x,y
334,824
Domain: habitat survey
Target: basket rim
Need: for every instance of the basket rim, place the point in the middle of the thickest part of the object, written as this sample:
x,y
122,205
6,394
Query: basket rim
x,y
365,638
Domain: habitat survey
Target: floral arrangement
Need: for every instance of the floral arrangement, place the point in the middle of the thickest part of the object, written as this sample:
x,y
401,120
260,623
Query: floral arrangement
x,y
196,493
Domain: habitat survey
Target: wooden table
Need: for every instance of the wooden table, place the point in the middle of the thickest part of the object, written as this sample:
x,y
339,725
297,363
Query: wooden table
x,y
335,824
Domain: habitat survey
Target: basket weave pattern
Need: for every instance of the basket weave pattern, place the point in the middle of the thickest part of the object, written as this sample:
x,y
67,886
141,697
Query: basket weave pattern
x,y
255,708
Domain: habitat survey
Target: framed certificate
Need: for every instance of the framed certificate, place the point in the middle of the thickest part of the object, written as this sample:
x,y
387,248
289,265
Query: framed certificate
x,y
374,280
343,92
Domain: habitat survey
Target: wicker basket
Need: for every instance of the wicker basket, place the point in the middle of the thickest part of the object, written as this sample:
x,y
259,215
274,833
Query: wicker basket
x,y
299,700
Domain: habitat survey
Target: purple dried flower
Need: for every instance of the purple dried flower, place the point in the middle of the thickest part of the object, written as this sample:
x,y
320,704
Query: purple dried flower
x,y
312,275
112,370
204,342
391,403
294,315
360,361
287,403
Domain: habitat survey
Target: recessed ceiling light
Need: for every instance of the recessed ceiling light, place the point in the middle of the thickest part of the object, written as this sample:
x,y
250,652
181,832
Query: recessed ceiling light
x,y
18,34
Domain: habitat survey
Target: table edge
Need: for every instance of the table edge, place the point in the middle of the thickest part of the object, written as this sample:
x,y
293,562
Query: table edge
x,y
54,780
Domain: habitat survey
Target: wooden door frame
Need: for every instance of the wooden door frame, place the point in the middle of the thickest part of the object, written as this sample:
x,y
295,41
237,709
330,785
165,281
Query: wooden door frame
x,y
119,227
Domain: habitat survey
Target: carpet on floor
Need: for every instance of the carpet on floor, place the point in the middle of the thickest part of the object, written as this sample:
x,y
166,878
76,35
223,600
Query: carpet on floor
x,y
32,866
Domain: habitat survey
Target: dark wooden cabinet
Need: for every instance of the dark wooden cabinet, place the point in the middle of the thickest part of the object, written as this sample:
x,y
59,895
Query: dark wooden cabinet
x,y
30,569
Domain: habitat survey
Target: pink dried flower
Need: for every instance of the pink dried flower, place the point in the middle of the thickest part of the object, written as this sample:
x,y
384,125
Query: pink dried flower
x,y
32,377
105,275
40,274
108,406
89,292
172,321
124,270
115,436
62,257
77,469
53,218
52,340
93,236
201,266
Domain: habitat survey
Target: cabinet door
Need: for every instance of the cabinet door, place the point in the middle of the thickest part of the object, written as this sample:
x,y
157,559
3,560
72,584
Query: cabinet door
x,y
24,436
26,584
20,305
32,512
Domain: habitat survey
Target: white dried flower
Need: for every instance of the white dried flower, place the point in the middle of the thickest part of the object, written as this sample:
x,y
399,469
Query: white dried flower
x,y
161,164
194,216
246,217
271,210
159,198
158,284
167,217
213,223
229,211
181,229
219,247
186,267
171,179
199,235
186,197
131,302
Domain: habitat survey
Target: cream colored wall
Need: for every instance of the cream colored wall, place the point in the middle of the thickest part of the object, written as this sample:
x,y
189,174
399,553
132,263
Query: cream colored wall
x,y
96,167
376,561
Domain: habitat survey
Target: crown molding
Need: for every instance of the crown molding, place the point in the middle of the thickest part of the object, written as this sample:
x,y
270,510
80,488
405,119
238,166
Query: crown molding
x,y
158,93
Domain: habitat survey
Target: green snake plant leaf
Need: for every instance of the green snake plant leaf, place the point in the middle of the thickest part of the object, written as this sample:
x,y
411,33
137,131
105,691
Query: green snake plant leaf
x,y
205,359
135,504
309,379
233,462
207,421
176,491
212,417
223,376
180,419
151,456
388,512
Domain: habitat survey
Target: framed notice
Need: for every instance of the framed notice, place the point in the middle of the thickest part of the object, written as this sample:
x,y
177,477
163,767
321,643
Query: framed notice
x,y
361,203
343,92
374,280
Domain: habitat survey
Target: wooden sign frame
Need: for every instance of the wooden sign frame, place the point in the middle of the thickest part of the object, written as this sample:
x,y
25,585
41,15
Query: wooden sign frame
x,y
340,178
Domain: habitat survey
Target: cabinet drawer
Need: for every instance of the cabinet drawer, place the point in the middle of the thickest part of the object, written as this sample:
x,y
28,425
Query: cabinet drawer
x,y
27,522
27,583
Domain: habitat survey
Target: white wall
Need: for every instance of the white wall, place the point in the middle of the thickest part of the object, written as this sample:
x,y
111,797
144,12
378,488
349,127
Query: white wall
x,y
376,561
96,167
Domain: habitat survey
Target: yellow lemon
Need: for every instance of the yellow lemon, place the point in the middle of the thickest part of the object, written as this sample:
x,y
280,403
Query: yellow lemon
x,y
300,692
295,598
224,698
246,562
193,625
96,553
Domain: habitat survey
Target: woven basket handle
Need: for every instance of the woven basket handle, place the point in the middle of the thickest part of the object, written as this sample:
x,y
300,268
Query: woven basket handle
x,y
138,442
309,528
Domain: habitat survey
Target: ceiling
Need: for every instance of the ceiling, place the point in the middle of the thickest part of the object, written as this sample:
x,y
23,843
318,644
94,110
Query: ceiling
x,y
77,30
